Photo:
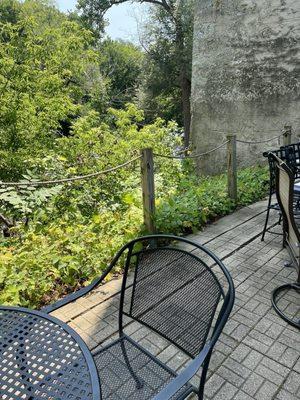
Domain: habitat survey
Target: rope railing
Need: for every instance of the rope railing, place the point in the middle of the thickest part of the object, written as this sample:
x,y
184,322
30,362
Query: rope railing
x,y
259,141
181,155
178,157
147,171
71,179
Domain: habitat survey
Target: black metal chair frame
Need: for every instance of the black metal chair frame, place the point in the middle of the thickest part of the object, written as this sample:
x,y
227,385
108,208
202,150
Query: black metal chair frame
x,y
290,154
289,228
206,343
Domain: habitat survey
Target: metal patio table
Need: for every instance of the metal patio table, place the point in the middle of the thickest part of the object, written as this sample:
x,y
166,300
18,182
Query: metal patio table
x,y
41,357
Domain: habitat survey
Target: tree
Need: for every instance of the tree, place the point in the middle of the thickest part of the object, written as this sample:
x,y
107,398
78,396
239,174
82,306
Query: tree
x,y
121,65
178,15
43,56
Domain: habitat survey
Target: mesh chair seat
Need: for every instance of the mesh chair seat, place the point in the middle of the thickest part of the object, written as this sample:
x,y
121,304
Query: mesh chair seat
x,y
127,371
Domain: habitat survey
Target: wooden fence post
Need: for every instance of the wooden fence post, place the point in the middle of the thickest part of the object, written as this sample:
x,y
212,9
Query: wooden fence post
x,y
147,171
287,135
232,167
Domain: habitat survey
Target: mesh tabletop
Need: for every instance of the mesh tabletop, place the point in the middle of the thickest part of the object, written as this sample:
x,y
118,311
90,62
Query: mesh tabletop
x,y
43,358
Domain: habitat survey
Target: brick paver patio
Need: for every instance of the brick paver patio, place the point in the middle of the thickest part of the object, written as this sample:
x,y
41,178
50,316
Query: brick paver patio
x,y
257,356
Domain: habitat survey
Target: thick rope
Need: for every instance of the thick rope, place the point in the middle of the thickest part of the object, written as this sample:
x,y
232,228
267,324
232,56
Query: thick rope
x,y
72,179
259,141
180,156
192,156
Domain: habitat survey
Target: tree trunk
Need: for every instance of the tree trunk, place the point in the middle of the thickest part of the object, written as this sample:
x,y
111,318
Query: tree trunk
x,y
185,84
184,81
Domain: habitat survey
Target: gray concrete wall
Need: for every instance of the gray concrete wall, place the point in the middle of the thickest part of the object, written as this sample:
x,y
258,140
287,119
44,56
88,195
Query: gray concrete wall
x,y
246,68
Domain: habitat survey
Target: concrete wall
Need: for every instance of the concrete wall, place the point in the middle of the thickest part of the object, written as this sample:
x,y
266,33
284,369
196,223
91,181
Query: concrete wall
x,y
246,76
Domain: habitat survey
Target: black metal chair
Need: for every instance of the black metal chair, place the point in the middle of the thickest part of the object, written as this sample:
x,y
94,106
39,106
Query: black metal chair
x,y
290,154
293,157
182,292
284,295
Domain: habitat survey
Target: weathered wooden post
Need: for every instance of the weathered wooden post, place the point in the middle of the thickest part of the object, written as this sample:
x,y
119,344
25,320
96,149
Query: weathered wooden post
x,y
232,167
147,169
287,135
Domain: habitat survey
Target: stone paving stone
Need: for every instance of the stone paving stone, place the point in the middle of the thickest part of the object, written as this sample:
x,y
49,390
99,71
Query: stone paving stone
x,y
230,376
270,375
167,353
177,361
284,395
267,391
252,384
226,392
257,355
242,396
297,366
292,383
213,384
240,353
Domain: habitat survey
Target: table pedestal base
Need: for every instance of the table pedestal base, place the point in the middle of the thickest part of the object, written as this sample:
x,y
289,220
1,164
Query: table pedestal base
x,y
278,295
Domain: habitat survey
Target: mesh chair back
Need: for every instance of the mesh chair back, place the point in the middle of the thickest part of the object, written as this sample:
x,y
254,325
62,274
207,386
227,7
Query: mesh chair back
x,y
175,291
285,194
292,152
283,154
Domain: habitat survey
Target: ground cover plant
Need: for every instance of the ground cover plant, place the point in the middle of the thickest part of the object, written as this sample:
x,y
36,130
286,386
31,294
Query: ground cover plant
x,y
65,247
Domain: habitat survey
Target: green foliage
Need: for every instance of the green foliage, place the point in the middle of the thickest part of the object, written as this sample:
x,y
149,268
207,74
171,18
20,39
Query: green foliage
x,y
43,56
50,260
72,232
168,38
59,252
197,201
121,65
22,201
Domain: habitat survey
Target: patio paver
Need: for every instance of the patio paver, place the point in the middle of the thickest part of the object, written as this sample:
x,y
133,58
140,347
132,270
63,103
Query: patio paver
x,y
257,356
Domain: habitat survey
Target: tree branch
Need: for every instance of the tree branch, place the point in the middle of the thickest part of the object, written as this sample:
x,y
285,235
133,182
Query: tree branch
x,y
6,221
162,3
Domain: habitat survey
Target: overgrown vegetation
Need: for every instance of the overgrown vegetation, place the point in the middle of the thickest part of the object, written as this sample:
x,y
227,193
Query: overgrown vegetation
x,y
57,121
64,246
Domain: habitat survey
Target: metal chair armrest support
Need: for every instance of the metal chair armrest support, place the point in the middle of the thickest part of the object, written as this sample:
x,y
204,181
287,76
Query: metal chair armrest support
x,y
70,298
81,292
183,378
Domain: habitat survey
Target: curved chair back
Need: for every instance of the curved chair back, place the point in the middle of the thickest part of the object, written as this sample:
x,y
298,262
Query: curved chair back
x,y
285,179
292,152
179,289
285,153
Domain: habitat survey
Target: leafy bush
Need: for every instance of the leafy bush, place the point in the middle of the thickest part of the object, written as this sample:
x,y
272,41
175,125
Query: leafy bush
x,y
60,252
49,261
197,201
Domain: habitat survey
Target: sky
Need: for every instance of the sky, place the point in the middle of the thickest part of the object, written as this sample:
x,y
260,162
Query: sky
x,y
122,19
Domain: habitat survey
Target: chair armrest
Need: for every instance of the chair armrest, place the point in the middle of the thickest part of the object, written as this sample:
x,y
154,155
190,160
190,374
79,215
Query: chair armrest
x,y
81,292
183,378
68,299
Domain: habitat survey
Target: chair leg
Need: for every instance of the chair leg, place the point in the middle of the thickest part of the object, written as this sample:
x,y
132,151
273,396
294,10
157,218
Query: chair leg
x,y
203,377
139,382
267,217
288,264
